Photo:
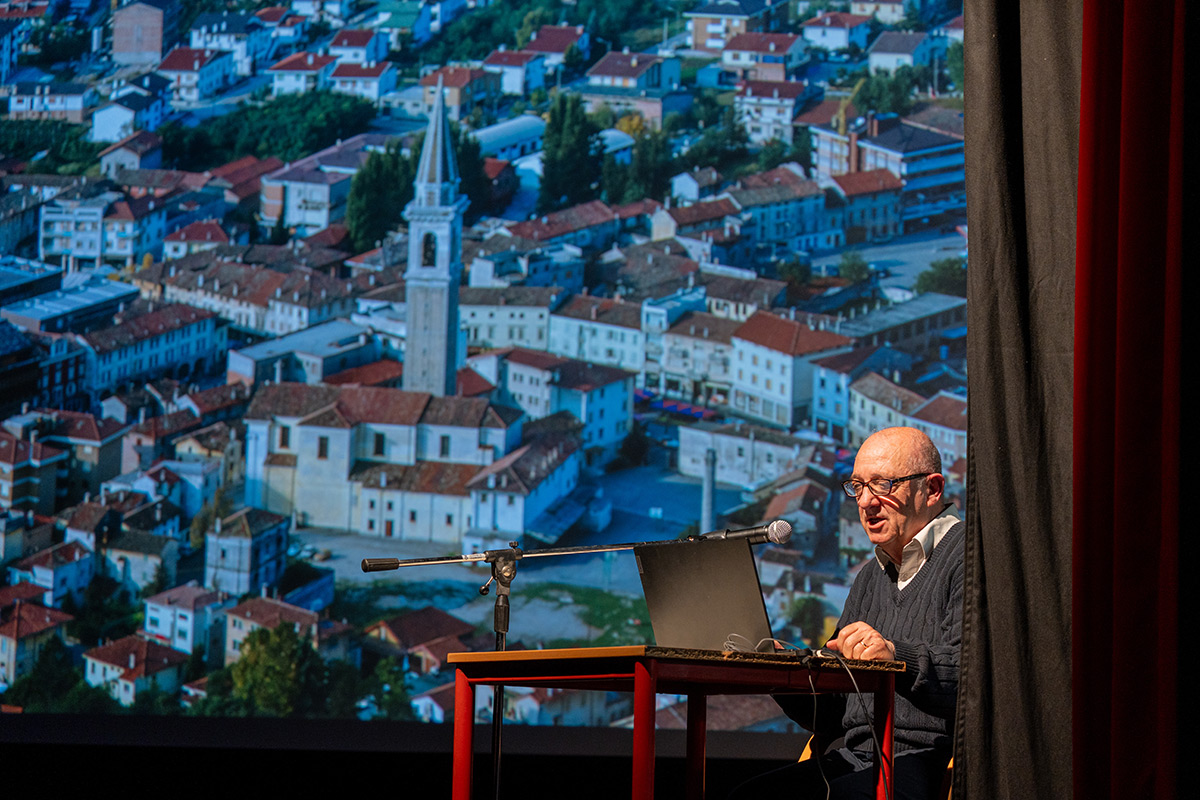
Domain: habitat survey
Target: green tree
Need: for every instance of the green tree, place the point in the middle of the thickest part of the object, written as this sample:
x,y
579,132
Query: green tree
x,y
636,446
378,194
771,155
853,267
52,676
651,168
391,692
945,276
614,180
954,65
570,156
289,127
279,674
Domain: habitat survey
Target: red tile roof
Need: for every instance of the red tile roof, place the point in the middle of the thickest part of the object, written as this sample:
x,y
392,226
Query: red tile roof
x,y
348,37
945,410
268,612
375,70
137,657
555,38
870,182
823,113
383,372
837,19
623,65
154,323
605,310
189,59
561,223
787,90
208,230
762,42
17,452
456,77
303,62
510,58
788,336
704,211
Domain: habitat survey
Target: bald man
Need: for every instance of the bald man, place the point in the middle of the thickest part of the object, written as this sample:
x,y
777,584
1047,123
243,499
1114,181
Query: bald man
x,y
905,605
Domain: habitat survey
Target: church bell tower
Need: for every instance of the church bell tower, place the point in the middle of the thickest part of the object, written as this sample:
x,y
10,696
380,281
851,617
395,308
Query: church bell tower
x,y
435,220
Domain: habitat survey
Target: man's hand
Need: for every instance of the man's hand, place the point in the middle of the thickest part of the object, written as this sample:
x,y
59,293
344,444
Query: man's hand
x,y
860,640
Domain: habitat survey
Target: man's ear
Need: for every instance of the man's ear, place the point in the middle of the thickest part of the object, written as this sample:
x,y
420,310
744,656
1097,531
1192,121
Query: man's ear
x,y
936,485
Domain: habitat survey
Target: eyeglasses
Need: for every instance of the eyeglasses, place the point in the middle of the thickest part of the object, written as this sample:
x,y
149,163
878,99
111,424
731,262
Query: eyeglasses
x,y
878,486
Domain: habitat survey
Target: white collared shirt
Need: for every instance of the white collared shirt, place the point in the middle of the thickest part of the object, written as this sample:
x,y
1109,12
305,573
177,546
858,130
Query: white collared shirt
x,y
913,557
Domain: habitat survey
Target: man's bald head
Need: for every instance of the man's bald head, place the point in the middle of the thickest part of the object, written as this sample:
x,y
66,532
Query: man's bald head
x,y
914,451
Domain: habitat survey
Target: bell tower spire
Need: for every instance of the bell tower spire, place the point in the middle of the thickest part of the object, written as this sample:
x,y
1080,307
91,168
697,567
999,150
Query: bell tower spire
x,y
435,219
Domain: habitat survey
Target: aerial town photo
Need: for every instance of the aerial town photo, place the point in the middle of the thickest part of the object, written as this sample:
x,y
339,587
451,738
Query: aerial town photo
x,y
286,287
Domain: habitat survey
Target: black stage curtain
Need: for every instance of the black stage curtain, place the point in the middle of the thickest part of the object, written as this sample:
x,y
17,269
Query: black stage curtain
x,y
1074,176
1022,100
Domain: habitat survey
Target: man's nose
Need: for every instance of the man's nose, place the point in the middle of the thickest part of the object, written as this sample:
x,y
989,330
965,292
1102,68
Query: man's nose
x,y
866,498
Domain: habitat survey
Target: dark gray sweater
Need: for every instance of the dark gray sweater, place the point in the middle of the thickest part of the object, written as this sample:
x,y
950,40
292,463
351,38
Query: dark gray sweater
x,y
924,622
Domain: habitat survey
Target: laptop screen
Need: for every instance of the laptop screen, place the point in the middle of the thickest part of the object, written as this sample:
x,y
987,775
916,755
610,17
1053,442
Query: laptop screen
x,y
700,592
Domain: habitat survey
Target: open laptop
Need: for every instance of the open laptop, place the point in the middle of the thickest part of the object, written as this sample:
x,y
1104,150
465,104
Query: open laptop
x,y
699,592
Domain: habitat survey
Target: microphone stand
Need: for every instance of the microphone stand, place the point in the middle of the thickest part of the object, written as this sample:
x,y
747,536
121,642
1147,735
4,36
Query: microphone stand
x,y
504,570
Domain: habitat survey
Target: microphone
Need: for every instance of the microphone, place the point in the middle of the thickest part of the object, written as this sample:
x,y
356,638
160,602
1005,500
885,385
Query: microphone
x,y
776,532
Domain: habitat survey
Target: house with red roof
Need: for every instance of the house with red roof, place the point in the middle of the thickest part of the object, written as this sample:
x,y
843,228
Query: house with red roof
x,y
871,203
712,23
541,384
356,46
766,107
590,226
92,445
600,330
764,56
370,80
202,235
877,402
139,150
832,377
553,42
28,472
188,617
133,664
62,570
332,639
242,178
521,71
463,88
246,550
640,83
837,30
25,628
772,366
196,74
889,12
421,639
244,36
300,73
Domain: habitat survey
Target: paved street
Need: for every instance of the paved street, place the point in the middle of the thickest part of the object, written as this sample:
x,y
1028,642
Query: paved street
x,y
904,258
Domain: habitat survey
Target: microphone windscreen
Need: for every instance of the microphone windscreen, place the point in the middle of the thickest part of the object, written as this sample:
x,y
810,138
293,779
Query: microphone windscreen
x,y
779,531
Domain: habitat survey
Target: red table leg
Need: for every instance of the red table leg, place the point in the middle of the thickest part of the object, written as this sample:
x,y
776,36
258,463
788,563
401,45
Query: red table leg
x,y
643,731
885,700
697,722
464,729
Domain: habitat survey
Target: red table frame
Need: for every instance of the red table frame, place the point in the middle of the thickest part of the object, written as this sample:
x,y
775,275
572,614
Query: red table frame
x,y
648,671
